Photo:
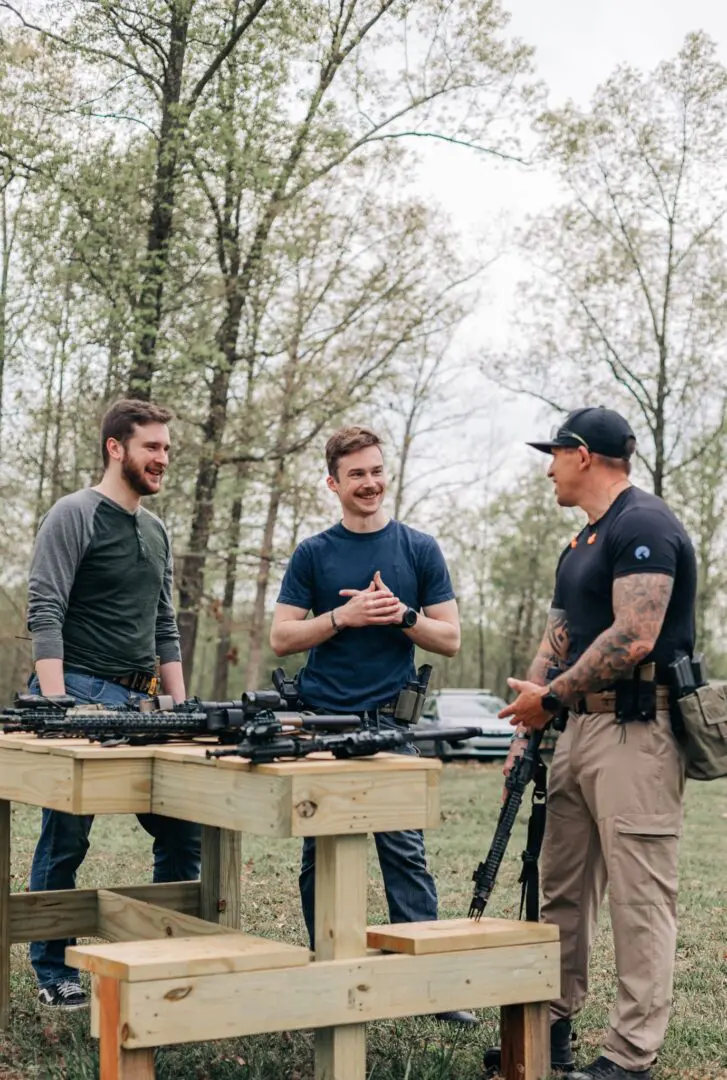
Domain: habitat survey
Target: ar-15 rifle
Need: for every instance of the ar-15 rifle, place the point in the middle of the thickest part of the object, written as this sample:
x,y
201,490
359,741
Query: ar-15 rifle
x,y
364,743
525,768
157,720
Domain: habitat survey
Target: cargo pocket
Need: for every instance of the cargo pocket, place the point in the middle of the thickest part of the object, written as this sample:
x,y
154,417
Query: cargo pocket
x,y
644,860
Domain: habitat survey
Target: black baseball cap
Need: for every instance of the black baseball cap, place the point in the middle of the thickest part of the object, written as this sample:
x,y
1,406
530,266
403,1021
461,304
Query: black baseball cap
x,y
602,431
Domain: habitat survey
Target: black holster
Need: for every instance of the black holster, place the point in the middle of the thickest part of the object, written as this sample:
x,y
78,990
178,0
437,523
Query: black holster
x,y
635,700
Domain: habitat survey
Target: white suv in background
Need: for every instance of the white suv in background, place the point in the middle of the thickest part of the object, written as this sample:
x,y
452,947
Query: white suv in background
x,y
462,708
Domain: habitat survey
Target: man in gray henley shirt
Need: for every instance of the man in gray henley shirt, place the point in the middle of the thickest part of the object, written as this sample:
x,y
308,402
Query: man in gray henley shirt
x,y
100,611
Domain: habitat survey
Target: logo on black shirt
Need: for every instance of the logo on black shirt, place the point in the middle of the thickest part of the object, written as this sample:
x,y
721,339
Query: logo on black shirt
x,y
642,552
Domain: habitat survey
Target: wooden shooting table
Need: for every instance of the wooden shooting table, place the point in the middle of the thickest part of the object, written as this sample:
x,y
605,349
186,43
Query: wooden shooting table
x,y
178,968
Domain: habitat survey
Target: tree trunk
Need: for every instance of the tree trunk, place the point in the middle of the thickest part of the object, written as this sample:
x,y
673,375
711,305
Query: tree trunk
x,y
4,282
45,439
171,134
403,462
257,626
63,338
660,421
191,581
224,645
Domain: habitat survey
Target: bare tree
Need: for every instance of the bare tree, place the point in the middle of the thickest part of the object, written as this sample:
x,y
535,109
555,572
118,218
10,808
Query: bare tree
x,y
630,274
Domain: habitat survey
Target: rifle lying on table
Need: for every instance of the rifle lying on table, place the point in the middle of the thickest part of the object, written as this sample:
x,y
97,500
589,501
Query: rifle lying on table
x,y
527,767
251,718
363,743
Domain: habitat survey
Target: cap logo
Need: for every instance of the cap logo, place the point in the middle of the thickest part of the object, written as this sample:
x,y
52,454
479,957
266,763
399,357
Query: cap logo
x,y
642,552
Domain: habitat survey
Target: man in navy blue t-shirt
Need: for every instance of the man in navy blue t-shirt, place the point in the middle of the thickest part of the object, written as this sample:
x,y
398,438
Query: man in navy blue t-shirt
x,y
375,589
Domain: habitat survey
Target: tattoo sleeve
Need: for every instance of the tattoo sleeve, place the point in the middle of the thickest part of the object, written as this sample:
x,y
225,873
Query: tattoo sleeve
x,y
553,649
639,606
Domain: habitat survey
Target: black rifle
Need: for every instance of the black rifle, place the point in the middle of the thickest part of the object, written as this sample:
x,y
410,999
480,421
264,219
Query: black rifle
x,y
251,718
525,768
364,743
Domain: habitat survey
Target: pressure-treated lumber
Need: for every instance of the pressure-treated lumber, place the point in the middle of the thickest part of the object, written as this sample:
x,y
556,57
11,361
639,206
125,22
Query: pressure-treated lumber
x,y
115,1062
76,776
160,960
331,992
340,934
525,1041
220,900
122,919
308,798
46,916
454,935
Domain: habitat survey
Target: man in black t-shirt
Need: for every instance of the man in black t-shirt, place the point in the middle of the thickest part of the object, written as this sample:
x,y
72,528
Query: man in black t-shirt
x,y
623,608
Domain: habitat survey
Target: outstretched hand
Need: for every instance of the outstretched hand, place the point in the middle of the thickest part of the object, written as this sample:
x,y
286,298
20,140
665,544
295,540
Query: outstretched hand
x,y
527,708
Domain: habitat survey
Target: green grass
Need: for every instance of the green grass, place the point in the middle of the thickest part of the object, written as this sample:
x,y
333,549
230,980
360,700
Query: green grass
x,y
50,1048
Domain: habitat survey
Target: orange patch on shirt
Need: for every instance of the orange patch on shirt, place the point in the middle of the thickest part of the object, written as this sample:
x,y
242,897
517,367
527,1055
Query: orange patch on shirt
x,y
592,538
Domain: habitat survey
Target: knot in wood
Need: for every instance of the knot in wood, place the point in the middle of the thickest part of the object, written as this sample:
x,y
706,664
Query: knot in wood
x,y
178,994
306,808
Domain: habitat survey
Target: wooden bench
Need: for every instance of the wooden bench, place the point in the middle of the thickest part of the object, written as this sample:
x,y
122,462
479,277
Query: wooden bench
x,y
187,989
124,973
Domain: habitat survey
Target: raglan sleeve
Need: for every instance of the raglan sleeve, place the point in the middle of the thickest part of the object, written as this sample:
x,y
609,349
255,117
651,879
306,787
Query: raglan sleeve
x,y
167,631
297,586
644,541
60,544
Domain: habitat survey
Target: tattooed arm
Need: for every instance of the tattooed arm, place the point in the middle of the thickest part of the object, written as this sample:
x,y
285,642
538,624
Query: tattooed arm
x,y
553,649
639,606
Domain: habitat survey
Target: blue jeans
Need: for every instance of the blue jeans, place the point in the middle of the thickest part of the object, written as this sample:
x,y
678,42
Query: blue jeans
x,y
411,894
63,842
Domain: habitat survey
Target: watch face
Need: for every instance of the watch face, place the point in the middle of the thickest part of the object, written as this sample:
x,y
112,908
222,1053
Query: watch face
x,y
409,618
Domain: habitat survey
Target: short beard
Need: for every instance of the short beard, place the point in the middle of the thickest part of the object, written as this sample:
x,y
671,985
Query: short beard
x,y
134,477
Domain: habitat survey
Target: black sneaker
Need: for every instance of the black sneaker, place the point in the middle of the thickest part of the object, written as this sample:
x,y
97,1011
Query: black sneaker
x,y
66,995
605,1069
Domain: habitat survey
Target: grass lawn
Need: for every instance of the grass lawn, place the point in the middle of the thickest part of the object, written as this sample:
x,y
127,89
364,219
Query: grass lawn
x,y
48,1047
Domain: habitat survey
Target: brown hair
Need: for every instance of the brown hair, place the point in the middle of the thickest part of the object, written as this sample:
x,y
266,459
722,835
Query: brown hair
x,y
120,420
347,441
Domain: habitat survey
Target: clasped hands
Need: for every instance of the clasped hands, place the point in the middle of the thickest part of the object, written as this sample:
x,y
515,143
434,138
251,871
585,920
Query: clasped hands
x,y
374,606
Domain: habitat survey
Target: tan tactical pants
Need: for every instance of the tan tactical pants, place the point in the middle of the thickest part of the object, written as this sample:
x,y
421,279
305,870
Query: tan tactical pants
x,y
614,817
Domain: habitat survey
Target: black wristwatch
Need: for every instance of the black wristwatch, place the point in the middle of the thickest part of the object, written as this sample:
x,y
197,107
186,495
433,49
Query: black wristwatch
x,y
408,619
552,703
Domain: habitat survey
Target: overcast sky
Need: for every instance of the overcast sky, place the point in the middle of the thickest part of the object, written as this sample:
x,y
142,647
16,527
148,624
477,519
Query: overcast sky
x,y
578,45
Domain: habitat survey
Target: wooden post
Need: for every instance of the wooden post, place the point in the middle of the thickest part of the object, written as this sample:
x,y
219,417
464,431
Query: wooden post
x,y
4,913
221,873
525,1034
340,931
115,1063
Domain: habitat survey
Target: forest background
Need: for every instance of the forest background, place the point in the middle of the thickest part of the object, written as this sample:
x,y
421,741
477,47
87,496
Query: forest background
x,y
222,206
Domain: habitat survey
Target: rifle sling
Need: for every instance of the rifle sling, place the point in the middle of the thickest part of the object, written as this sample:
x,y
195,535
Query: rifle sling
x,y
530,875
